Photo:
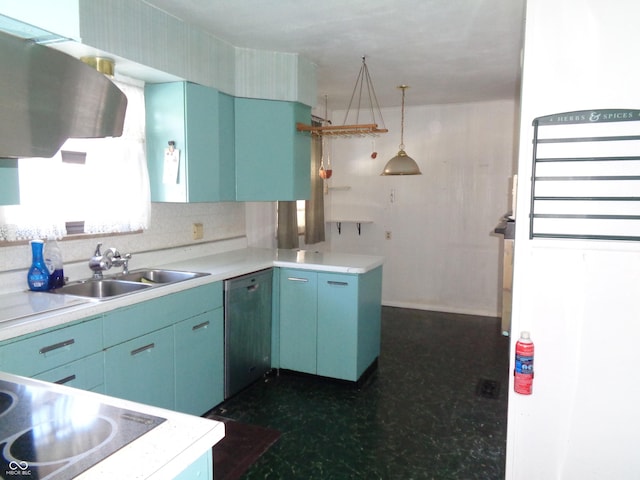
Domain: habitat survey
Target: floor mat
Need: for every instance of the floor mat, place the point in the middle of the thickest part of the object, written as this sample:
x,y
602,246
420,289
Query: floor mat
x,y
241,446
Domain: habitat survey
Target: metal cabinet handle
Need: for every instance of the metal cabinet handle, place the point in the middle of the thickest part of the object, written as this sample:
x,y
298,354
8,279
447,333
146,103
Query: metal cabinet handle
x,y
252,288
200,325
143,349
56,346
297,279
64,380
340,284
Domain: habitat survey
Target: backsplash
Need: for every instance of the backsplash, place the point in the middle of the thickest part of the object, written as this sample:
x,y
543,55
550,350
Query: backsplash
x,y
170,227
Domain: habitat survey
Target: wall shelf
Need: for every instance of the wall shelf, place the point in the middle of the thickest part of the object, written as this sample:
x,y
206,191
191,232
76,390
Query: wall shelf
x,y
357,222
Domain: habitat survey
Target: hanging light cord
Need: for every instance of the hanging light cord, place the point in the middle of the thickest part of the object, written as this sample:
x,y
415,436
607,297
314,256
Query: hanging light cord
x,y
403,87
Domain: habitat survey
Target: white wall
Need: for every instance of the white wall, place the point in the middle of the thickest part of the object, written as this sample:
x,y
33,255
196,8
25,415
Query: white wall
x,y
578,299
442,254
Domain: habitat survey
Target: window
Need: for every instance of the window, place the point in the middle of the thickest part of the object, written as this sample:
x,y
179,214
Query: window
x,y
89,186
300,211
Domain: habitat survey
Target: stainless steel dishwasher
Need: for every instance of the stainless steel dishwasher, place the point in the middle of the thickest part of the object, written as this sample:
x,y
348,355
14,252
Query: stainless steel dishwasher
x,y
247,329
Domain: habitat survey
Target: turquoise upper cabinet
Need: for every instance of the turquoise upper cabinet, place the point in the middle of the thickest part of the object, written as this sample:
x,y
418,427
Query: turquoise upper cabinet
x,y
200,121
272,157
9,186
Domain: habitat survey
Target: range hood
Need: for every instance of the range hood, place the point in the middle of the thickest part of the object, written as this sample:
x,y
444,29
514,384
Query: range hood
x,y
47,96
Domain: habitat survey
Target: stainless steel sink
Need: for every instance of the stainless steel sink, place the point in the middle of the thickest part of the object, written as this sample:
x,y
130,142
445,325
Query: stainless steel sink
x,y
101,289
156,276
125,284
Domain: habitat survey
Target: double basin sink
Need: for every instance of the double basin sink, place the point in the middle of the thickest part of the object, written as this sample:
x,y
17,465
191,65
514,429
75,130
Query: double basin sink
x,y
124,284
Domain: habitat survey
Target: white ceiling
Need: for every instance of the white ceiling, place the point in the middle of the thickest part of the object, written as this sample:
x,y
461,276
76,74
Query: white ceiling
x,y
447,51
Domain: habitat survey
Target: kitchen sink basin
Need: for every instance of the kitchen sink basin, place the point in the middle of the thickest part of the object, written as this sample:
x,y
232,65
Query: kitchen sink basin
x,y
124,284
101,289
155,276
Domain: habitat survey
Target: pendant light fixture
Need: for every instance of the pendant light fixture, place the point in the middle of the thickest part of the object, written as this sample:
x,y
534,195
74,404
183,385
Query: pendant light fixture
x,y
401,164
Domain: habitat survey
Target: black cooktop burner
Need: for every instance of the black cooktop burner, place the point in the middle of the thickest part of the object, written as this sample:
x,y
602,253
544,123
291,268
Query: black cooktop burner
x,y
54,436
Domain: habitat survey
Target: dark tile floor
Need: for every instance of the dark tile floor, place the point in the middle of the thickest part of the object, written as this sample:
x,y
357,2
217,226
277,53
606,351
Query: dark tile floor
x,y
421,415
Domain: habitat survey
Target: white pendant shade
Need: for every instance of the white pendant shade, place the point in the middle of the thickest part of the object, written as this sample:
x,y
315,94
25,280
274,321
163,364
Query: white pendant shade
x,y
401,164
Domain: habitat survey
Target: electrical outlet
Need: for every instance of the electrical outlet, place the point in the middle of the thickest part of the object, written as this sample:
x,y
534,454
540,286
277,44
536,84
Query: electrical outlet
x,y
387,235
198,231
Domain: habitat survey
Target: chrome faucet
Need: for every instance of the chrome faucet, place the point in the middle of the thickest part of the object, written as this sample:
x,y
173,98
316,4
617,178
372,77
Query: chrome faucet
x,y
120,261
101,262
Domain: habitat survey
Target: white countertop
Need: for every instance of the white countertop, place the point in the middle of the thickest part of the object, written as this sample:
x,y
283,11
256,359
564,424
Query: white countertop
x,y
26,312
161,453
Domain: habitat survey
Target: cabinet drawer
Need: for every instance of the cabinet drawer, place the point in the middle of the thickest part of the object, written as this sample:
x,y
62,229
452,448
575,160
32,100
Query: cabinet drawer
x,y
142,318
86,373
189,303
40,353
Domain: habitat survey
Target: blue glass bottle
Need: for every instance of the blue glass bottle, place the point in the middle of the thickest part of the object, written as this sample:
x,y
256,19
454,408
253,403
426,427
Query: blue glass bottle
x,y
38,276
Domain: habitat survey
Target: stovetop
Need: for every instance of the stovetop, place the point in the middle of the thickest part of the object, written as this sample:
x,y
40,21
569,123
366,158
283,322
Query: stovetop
x,y
55,436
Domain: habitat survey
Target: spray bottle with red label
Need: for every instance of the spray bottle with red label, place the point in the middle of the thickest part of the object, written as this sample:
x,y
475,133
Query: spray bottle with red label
x,y
523,373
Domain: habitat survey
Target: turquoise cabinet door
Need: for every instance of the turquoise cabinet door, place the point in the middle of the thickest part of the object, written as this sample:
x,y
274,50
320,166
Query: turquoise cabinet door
x,y
298,320
226,167
199,348
142,369
9,182
192,116
338,326
272,157
165,121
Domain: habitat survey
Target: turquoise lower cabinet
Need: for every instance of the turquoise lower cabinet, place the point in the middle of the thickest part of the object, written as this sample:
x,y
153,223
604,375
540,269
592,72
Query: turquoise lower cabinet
x,y
199,367
337,326
168,351
330,322
298,319
141,318
272,157
142,369
349,315
201,469
85,374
